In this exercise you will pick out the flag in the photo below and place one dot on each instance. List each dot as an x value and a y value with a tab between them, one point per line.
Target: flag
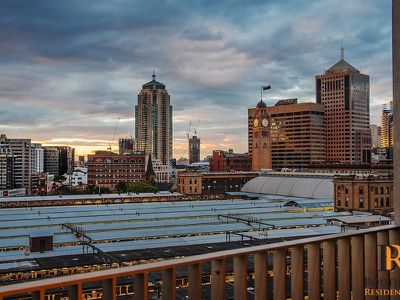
267	87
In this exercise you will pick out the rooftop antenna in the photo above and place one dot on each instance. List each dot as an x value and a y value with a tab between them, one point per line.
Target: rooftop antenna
342	52
154	75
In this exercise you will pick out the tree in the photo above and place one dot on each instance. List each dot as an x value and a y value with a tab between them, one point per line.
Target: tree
141	187
92	189
59	178
121	187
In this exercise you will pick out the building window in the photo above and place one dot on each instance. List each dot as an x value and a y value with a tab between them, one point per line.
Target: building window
361	191
346	201
361	203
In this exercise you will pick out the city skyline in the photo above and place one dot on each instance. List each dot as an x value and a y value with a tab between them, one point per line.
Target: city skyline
67	79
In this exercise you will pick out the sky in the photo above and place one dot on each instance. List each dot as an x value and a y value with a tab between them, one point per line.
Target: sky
70	69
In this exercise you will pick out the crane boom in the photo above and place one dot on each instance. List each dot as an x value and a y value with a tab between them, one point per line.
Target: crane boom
113	138
197	126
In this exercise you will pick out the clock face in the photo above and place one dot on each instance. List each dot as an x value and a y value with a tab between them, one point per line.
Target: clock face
255	123
265	122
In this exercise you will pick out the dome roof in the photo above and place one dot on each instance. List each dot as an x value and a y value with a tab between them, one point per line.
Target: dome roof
318	187
261	104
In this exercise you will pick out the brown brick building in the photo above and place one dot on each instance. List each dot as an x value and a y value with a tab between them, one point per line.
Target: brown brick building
344	92
297	133
371	193
212	184
228	161
106	168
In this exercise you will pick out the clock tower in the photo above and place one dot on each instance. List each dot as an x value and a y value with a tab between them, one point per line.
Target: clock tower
261	155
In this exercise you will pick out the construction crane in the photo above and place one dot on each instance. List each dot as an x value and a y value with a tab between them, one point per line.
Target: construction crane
188	132
197	126
113	138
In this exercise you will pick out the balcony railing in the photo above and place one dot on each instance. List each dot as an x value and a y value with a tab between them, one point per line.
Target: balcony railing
338	266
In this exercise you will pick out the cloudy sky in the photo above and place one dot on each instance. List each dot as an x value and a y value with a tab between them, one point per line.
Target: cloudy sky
70	69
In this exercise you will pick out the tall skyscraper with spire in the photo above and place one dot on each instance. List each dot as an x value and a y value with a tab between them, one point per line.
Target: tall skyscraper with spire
344	92
153	121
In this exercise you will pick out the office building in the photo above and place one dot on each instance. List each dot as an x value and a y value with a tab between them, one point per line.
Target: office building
228	161
194	149
81	161
66	159
126	145
106	169
20	149
371	193
162	173
59	160
40	184
344	92
387	132
153	121
37	161
7	176
78	177
213	184
297	133
51	160
375	136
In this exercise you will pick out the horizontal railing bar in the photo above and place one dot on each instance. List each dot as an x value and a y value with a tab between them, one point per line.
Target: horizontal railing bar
26	287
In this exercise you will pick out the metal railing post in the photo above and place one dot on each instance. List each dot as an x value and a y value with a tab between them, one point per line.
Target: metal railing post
329	269
279	269
140	288
297	272
314	271
168	284
260	275
218	286
240	274
195	281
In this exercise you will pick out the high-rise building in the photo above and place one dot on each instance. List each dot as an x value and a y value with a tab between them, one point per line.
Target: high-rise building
194	149
66	159
375	136
59	160
126	145
51	160
297	133
260	126
387	126
37	161
7	178
344	92
153	121
21	150
80	162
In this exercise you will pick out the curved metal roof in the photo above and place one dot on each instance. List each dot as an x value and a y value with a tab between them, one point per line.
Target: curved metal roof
296	186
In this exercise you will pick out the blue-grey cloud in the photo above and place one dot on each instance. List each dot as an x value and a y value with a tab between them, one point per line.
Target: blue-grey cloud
69	69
